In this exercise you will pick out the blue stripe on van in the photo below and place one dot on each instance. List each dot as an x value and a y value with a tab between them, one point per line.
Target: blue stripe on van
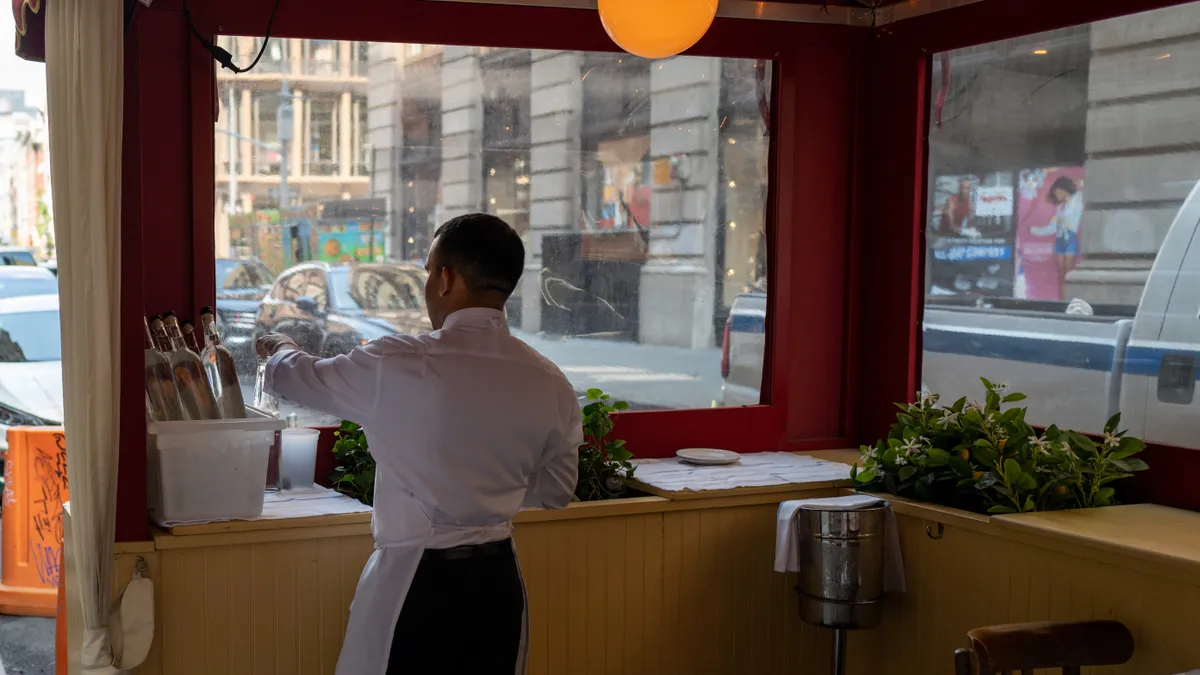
746	323
1042	351
1143	360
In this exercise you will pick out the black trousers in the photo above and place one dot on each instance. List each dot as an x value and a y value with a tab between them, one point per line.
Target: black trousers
463	614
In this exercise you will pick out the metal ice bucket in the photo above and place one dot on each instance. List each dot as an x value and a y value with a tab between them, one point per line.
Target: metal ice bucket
841	566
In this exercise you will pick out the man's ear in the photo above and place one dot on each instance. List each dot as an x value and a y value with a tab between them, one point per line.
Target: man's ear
447	281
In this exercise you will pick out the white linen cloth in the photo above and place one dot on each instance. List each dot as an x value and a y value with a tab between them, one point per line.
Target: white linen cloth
787	540
85	47
467	425
760	469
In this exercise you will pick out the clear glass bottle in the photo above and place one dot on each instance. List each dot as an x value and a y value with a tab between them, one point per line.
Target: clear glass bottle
220	369
189	336
162	396
198	400
263	399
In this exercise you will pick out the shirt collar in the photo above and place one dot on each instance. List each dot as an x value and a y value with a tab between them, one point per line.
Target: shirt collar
476	317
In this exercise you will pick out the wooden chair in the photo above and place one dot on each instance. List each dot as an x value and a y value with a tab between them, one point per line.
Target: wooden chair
997	650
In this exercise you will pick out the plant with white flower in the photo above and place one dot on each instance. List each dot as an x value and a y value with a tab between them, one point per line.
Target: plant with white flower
985	457
949	419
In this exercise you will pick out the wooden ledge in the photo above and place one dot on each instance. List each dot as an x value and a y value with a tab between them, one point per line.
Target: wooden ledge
1147	537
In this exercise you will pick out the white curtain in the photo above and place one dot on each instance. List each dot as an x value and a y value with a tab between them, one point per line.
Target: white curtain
84	93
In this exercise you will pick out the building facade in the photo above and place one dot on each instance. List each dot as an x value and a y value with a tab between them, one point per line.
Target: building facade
26	208
317	143
638	186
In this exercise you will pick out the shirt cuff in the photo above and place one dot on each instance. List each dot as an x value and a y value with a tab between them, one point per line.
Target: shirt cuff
269	374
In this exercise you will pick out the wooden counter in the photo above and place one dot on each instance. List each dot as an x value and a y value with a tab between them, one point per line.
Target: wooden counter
654	585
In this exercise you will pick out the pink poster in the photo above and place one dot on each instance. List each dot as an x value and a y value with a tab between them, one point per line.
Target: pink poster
1048	233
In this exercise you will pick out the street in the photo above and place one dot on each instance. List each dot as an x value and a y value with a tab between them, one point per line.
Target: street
648	377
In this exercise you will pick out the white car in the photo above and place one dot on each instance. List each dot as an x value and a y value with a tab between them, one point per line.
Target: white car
31	391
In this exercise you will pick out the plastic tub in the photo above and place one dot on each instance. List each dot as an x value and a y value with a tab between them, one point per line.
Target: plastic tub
209	470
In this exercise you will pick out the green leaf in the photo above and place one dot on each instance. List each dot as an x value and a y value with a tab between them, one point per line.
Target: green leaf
937	457
620	405
1012	471
1129	446
986	454
1131	464
1112	423
853	471
620	454
1029	505
960	467
1027	482
865	476
965	483
987	383
1104	495
907	472
1001	509
1014	397
594	394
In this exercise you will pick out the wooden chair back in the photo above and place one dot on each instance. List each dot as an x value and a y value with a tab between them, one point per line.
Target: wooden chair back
1024	647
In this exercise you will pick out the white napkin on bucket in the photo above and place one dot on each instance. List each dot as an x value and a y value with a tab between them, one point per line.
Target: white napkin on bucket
787	540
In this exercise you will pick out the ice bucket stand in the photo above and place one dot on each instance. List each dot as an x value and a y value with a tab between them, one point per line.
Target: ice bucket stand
841	571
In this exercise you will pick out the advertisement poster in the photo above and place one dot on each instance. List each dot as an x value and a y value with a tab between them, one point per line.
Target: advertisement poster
350	242
624	182
1048	232
970	235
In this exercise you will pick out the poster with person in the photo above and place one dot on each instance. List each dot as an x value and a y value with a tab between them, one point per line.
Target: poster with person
970	235
1049	215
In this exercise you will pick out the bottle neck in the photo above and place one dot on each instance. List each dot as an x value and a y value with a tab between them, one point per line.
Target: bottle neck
150	339
175	338
211	336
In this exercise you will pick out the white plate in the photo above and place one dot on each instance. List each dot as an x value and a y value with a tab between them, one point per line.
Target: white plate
708	456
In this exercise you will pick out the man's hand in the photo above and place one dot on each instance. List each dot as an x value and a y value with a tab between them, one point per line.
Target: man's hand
272	343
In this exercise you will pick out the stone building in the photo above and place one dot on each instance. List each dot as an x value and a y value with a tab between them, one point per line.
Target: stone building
639	186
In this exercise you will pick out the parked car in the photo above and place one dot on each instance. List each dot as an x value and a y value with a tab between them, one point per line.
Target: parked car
16	255
241	286
16	281
30	363
330	310
1078	368
51	265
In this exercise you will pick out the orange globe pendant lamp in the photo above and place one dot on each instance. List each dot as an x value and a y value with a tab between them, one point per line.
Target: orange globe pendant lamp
656	29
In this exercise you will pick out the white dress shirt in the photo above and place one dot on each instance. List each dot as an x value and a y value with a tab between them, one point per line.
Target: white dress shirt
467	425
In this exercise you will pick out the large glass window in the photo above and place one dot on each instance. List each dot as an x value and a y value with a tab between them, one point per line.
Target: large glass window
639	188
1061	221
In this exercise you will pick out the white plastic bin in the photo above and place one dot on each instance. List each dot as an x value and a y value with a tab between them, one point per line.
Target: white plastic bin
209	470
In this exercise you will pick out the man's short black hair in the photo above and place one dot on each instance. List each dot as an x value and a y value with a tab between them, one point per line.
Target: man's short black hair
484	250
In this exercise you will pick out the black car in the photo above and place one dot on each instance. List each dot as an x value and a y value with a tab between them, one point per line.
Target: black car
330	310
241	286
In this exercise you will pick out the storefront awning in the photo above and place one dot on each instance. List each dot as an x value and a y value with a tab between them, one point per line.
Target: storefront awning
30	18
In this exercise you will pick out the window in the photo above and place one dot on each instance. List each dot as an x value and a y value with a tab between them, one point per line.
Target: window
639	188
321	152
1060	223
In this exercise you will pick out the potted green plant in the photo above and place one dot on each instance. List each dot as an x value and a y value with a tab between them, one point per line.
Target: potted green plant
604	465
984	458
354	475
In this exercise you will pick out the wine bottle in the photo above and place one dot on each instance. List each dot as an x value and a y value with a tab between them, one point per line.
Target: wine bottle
189	336
198	400
220	369
162	396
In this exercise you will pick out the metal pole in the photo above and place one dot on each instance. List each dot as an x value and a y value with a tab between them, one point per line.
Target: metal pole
839	651
231	207
284	119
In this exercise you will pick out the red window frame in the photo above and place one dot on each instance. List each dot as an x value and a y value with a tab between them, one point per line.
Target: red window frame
814	88
893	164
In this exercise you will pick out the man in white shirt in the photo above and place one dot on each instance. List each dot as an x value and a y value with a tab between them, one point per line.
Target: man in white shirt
467	425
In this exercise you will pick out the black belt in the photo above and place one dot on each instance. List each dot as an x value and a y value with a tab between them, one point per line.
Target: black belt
464	552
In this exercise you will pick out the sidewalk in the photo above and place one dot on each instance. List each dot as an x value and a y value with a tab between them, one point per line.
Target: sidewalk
647	376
